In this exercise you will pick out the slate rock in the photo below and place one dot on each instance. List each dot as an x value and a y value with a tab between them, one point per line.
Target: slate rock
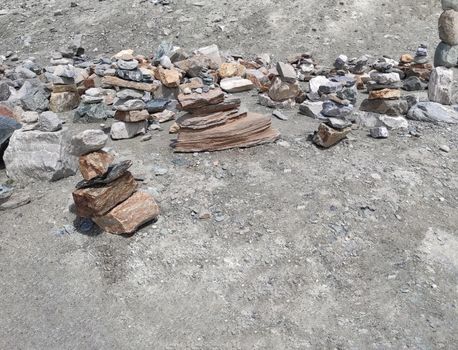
37	155
114	172
132	75
433	112
157	105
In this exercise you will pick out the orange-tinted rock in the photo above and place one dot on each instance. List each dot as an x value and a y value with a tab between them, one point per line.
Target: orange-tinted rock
132	116
196	101
232	69
163	116
385	94
63	101
115	81
96	201
407	58
95	164
169	77
128	216
194	83
259	79
6	111
327	136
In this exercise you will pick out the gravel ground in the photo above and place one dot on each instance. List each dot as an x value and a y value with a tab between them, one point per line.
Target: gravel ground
354	247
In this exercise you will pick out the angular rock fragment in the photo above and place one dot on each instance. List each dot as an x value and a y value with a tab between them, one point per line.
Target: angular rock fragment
327	136
196	101
163	116
63	101
128	216
114	81
169	77
236	84
132	116
440	88
230	70
122	130
281	91
94	164
433	112
287	72
97	201
379	133
49	122
386	94
389	107
88	141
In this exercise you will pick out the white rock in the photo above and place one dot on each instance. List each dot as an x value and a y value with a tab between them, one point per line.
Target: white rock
88	141
440	88
236	84
121	130
316	82
37	155
212	52
385	78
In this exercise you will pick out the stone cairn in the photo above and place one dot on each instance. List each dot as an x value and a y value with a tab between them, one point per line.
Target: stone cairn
447	51
441	89
108	194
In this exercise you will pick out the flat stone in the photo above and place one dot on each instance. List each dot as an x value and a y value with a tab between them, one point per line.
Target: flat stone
115	81
195	65
448	27
132	116
389	107
278	114
327	136
446	55
338	124
212	52
414	84
440	88
129	105
169	77
130	215
387	94
63	101
265	100
129	94
281	91
372	85
49	121
94	164
127	65
91	99
97	201
164	116
114	172
332	109
433	112
315	83
135	75
122	130
385	78
91	113
287	72
37	155
88	141
236	84
157	105
379	133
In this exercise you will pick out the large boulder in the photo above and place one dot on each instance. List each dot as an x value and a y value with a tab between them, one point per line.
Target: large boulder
448	27
37	155
446	55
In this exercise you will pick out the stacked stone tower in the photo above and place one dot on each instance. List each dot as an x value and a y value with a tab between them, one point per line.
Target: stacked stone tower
447	51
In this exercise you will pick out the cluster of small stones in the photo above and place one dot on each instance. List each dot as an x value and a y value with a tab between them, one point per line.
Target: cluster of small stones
447	51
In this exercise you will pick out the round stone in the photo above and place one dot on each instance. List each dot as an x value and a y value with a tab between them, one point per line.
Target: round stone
446	55
448	27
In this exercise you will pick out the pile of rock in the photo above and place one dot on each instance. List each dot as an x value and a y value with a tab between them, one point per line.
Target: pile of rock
284	88
384	92
214	123
108	194
447	51
416	70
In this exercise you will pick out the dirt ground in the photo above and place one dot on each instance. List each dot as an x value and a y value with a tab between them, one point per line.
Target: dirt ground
355	247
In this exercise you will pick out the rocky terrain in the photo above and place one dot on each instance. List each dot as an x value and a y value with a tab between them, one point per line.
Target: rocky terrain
340	239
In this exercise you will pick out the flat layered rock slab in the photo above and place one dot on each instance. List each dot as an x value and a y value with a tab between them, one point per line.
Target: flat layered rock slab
115	81
191	121
196	101
128	216
97	201
252	130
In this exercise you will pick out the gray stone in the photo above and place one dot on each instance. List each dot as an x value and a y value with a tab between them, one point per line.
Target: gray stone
287	72
440	88
166	62
5	192
91	113
372	85
315	83
37	155
157	105
341	62
86	99
29	117
373	120
127	65
64	71
49	122
450	5
332	109
444	148
265	100
385	78
281	90
414	84
5	91
312	109
278	114
433	112
129	105
33	96
129	94
88	141
379	132
122	130
338	124
56	80
7	127
446	55
24	73
133	75
448	27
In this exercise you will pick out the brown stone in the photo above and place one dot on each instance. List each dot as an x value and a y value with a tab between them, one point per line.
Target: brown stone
95	164
128	216
194	83
327	136
196	101
7	111
406	58
281	90
169	77
132	116
163	116
232	69
115	81
63	101
448	27
385	94
96	201
259	79
193	66
174	128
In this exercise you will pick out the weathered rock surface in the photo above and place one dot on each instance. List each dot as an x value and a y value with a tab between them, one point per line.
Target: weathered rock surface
132	116
49	121
122	130
36	155
387	94
195	101
281	90
389	107
448	27
446	55
88	141
327	136
97	201
128	216
433	112
115	81
236	84
230	70
94	164
440	88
